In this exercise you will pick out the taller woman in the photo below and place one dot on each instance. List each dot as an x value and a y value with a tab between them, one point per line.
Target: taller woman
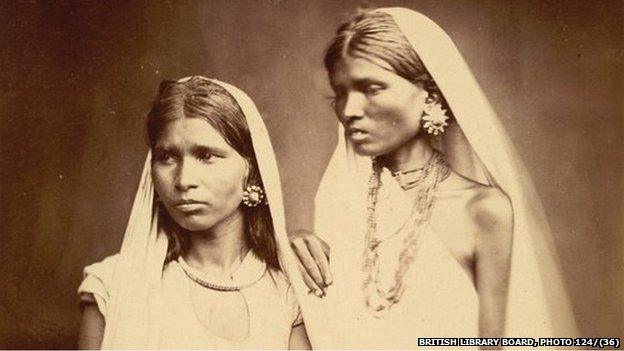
434	227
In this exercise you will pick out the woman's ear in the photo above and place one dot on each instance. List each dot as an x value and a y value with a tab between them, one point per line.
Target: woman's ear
434	97
425	93
433	92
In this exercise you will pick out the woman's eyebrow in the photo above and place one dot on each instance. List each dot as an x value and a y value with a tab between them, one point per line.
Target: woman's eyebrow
203	149
357	82
159	148
366	81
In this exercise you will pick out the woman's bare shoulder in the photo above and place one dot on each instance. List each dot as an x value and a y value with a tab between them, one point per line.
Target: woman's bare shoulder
491	212
488	207
490	203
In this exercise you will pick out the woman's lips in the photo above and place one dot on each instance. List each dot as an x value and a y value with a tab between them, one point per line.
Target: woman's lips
355	134
189	205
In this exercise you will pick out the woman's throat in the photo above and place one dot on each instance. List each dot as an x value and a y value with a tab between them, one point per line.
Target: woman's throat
414	154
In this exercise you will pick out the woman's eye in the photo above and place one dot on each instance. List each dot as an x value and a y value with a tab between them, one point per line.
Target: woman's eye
165	157
205	157
373	89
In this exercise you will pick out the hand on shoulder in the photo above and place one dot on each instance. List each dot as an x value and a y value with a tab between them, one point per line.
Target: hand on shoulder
313	255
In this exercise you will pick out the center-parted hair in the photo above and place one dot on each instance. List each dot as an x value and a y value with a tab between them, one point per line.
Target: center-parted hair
200	98
374	34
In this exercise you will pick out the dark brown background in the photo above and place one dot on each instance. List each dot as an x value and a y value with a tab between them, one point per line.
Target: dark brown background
77	79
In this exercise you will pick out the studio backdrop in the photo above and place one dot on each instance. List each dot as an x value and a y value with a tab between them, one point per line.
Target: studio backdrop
77	79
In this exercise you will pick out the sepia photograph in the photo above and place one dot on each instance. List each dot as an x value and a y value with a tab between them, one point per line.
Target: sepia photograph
288	174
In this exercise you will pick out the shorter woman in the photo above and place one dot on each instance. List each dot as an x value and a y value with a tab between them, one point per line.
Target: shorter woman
198	267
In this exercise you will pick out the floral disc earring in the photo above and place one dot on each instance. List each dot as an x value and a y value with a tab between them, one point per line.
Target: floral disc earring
253	196
434	117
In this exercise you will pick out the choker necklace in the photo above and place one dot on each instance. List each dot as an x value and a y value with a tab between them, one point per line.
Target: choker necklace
192	274
411	178
378	298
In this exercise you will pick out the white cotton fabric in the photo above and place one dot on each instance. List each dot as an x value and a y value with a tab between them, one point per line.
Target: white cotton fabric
133	301
439	300
269	299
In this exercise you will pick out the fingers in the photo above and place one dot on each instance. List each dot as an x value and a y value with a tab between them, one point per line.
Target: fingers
320	256
325	247
303	252
309	282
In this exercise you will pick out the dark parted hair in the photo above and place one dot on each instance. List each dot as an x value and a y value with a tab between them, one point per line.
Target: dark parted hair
375	34
201	98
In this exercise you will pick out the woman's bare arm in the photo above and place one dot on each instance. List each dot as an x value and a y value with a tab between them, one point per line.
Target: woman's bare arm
91	328
493	217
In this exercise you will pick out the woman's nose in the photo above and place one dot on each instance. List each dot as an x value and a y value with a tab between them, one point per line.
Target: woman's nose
186	177
353	107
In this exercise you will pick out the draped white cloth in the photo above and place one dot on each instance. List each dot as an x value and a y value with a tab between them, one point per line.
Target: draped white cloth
134	310
476	147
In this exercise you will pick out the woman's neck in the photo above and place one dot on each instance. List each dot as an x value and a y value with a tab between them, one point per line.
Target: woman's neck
220	249
411	155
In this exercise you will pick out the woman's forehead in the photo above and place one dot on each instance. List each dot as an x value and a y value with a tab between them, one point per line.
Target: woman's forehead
190	131
356	68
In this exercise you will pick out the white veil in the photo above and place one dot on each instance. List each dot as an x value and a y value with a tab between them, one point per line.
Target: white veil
132	320
478	148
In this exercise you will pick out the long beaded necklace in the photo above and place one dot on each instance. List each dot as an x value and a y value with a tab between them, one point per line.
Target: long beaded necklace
379	300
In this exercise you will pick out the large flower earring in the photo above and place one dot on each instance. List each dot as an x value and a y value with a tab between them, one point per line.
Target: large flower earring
434	117
253	196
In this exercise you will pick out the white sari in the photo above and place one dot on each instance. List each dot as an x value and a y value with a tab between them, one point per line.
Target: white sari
439	299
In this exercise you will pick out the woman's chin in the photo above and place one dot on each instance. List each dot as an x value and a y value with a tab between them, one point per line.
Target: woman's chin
195	224
367	150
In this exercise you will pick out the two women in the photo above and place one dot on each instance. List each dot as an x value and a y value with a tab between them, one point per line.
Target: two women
432	224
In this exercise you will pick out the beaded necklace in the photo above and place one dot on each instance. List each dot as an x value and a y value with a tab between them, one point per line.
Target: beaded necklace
379	300
194	275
